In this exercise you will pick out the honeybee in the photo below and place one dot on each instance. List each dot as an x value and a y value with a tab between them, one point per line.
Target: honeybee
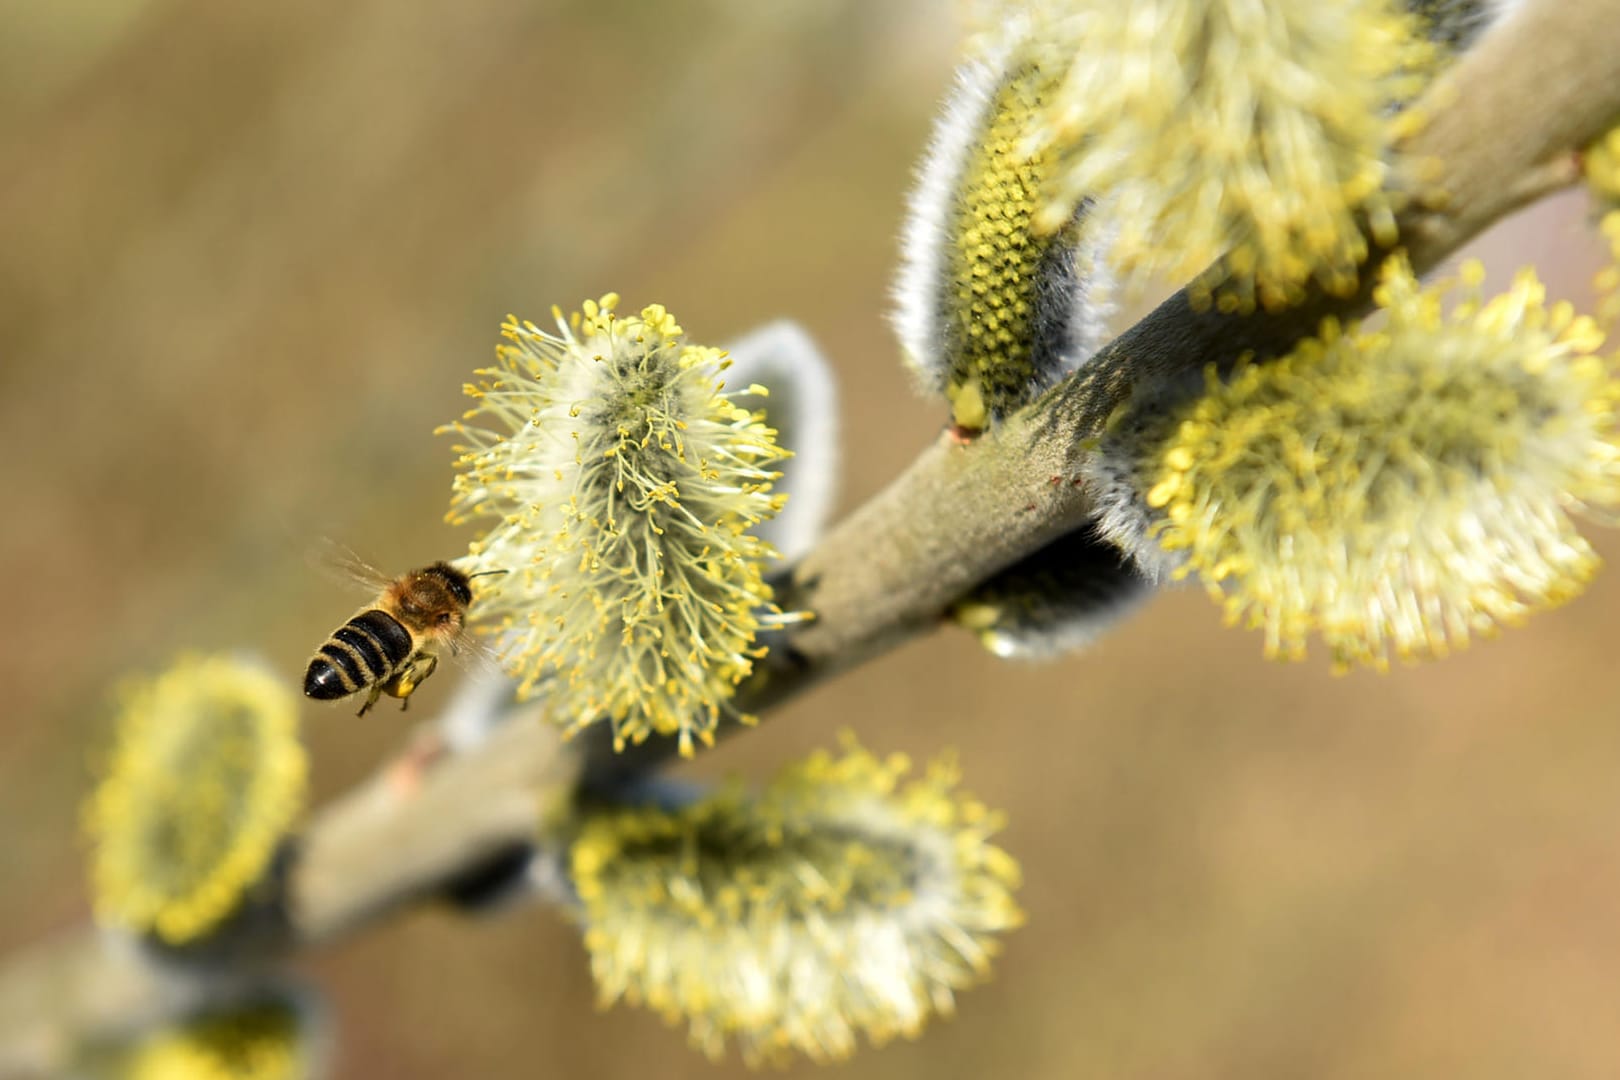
392	645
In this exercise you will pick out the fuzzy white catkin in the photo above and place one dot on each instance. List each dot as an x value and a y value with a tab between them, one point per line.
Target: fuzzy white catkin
802	406
1059	600
988	312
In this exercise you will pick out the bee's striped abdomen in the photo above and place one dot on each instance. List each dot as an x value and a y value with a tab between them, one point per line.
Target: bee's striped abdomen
368	649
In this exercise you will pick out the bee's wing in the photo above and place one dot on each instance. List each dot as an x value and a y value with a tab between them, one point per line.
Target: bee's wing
474	652
340	563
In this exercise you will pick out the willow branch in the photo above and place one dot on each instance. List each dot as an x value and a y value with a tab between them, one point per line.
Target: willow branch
1504	127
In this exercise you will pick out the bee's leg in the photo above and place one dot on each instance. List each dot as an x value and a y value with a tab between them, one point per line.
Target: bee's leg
371	698
415	673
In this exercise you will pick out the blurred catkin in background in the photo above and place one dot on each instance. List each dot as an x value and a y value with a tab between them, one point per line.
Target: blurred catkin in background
247	256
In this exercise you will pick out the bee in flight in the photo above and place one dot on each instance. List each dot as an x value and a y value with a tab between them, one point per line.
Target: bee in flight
392	645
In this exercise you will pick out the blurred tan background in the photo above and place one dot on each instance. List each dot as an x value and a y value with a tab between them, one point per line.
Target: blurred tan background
248	255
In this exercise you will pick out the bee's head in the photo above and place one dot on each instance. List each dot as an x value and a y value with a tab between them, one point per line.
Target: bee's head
458	584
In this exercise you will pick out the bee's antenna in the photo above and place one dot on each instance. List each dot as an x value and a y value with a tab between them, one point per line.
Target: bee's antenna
487	573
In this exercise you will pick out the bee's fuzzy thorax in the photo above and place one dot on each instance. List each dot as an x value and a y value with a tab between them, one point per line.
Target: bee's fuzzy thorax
430	601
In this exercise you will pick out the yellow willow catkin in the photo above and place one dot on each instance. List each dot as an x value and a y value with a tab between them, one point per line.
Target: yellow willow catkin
991	311
1601	164
840	901
1395	490
620	483
1210	127
203	782
261	1041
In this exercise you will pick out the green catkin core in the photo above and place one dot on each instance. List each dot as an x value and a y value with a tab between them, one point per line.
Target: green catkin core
996	260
